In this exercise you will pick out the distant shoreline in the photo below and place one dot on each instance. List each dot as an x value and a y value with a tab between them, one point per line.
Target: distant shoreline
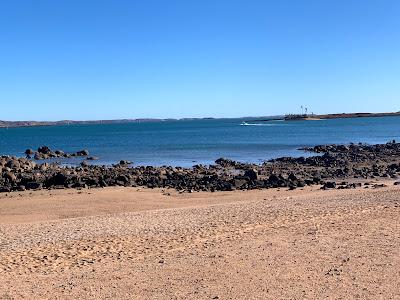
357	115
331	116
12	124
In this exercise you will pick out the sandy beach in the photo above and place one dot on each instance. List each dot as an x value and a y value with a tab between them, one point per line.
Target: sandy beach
179	150
137	243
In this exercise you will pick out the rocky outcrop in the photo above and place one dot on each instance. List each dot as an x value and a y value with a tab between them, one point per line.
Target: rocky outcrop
44	152
82	153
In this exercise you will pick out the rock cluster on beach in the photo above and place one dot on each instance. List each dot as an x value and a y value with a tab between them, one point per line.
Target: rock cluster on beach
335	168
44	152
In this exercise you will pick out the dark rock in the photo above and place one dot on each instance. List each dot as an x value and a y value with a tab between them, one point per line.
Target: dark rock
239	183
252	174
301	183
228	163
10	177
59	153
13	164
29	152
292	177
57	179
40	156
33	185
44	150
379	185
329	185
21	188
122	178
225	162
82	153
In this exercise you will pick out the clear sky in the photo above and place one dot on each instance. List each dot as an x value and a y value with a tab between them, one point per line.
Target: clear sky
94	59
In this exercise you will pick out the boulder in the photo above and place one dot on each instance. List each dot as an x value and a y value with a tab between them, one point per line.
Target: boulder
239	183
40	156
33	185
82	153
10	177
13	164
329	185
252	174
44	150
57	179
292	177
29	152
59	153
122	178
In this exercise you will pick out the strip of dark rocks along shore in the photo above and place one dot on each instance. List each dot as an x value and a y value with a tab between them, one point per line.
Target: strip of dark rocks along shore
338	167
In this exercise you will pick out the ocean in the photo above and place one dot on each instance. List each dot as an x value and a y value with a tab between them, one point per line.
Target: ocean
190	142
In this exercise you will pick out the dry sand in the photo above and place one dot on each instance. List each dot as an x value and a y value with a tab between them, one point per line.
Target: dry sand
126	243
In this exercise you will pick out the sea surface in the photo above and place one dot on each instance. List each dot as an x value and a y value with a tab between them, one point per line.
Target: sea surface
186	143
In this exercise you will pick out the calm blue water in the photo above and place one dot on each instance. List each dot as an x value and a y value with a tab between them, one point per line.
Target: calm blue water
185	143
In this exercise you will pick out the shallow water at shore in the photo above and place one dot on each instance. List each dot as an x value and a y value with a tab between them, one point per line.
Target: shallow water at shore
185	143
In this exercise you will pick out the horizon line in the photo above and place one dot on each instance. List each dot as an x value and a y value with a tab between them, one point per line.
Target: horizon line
187	118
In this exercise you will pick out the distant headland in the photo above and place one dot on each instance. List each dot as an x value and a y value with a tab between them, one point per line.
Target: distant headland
305	117
289	117
339	116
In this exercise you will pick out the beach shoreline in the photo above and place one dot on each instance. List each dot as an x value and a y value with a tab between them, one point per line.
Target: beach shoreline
333	166
306	227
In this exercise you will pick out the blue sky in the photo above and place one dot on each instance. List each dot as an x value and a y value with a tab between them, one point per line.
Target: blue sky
130	59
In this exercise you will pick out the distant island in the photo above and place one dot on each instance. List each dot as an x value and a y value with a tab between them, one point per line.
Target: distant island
305	117
289	117
339	116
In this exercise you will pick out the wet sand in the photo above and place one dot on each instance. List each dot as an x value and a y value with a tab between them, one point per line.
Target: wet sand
131	243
